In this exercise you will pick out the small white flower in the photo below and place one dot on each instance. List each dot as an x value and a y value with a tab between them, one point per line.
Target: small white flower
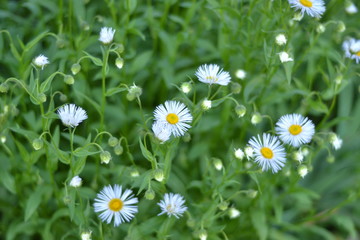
76	182
234	213
351	48
212	74
268	151
175	116
284	57
161	131
86	235
106	35
298	156
71	115
303	171
320	28
239	154
218	164
41	61
314	8
241	74
249	152
294	129
115	204
186	87
304	151
206	104
335	141
350	8
298	16
173	204
280	39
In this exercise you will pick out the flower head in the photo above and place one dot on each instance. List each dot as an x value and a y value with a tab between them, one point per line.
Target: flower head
241	74
294	129
112	202
71	115
86	235
41	61
175	116
76	182
350	8
106	35
173	204
280	39
351	48
206	104
314	8
335	141
239	154
161	131
268	151
212	74
284	57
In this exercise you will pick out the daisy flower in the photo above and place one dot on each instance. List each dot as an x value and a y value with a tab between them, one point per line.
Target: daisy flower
314	8
175	116
106	35
173	204
268	152
212	74
161	131
71	115
113	203
41	61
352	49
294	129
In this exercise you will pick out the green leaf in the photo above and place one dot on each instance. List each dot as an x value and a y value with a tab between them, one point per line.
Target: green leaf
85	151
140	62
95	60
146	153
130	5
288	66
115	90
258	219
136	32
34	200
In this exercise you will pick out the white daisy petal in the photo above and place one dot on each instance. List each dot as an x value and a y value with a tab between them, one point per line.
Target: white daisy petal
295	130
114	205
314	8
71	115
268	152
351	48
174	116
172	205
212	74
41	61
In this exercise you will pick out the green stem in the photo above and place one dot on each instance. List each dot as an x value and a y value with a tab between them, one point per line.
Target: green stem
103	84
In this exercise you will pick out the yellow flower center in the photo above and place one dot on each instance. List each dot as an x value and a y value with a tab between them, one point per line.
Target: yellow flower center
212	78
306	3
357	53
172	118
295	129
169	208
116	204
267	152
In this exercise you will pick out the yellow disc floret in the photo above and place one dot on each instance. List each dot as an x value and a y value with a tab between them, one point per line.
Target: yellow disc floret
306	3
295	129
116	204
267	152
172	118
357	53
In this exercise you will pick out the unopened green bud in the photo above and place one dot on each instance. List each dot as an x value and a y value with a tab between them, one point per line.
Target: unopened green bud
120	48
3	139
130	97
134	173
320	28
158	175
234	213
252	193
105	157
63	97
67	200
4	88
235	87
341	27
38	143
135	91
202	234
298	16
149	194
42	97
118	149
303	170
186	137
206	104
256	118
223	206
217	164
186	87
113	141
68	79
191	223
240	110
119	62
330	159
75	68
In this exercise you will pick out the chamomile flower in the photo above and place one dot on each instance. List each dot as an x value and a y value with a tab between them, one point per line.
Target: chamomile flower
175	116
314	8
172	205
294	129
41	61
351	48
71	115
212	74
106	35
268	152
161	131
115	204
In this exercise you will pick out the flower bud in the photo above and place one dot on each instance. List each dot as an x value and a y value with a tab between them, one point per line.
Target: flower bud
4	88
191	223
76	182
298	156
202	234
134	173
234	213
303	170
256	118
252	193
186	137
119	62
41	97
63	97
280	39
239	154
241	74
3	139
68	79
298	16
341	27
240	110
330	159
158	175
67	200
38	144
249	152
223	205
320	28
217	164
235	88
186	87
113	141
118	149
206	104
105	157
305	151
75	68
86	235
149	194
335	141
